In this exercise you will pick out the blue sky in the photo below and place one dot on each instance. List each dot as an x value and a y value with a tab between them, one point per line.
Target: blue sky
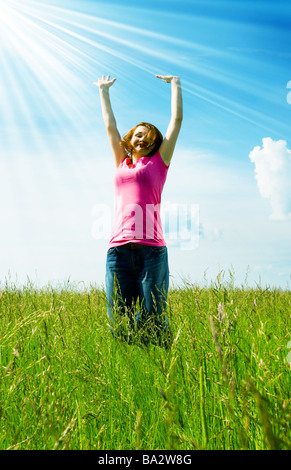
232	164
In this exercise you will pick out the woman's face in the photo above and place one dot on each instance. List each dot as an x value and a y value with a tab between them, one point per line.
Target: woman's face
139	141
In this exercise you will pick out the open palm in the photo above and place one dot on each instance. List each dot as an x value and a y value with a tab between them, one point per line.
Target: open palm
104	82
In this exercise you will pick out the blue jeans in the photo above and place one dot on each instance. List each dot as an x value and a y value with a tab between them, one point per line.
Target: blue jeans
137	272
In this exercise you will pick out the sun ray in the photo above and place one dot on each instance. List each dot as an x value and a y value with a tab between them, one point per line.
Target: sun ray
58	50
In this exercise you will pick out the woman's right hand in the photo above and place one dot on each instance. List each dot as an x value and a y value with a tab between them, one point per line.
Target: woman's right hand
104	82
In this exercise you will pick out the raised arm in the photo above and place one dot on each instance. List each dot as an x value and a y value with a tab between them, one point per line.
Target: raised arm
109	119
169	142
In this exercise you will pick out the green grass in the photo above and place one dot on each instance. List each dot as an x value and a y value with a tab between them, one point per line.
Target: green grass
65	383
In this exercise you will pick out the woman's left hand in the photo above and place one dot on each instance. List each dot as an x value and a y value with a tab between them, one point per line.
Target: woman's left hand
168	78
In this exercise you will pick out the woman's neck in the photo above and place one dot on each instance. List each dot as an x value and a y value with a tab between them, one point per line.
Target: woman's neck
135	158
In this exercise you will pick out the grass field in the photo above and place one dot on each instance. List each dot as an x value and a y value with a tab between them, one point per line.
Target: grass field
224	383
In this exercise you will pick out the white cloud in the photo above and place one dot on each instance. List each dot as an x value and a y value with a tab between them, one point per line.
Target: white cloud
273	175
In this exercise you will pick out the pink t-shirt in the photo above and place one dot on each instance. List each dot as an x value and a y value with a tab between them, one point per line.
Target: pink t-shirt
138	191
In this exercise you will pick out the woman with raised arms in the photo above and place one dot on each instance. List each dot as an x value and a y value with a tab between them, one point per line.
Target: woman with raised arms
137	257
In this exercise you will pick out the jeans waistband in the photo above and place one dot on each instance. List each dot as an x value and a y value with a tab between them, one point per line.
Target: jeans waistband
133	246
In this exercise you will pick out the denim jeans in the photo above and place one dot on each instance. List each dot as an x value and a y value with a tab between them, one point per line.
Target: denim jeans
137	272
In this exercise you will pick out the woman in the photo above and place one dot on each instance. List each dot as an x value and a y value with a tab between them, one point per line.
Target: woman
137	259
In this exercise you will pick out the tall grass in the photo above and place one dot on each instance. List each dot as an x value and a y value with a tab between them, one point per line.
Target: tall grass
66	383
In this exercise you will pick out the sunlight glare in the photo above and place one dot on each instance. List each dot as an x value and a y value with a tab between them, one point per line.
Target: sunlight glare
4	11
2	8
